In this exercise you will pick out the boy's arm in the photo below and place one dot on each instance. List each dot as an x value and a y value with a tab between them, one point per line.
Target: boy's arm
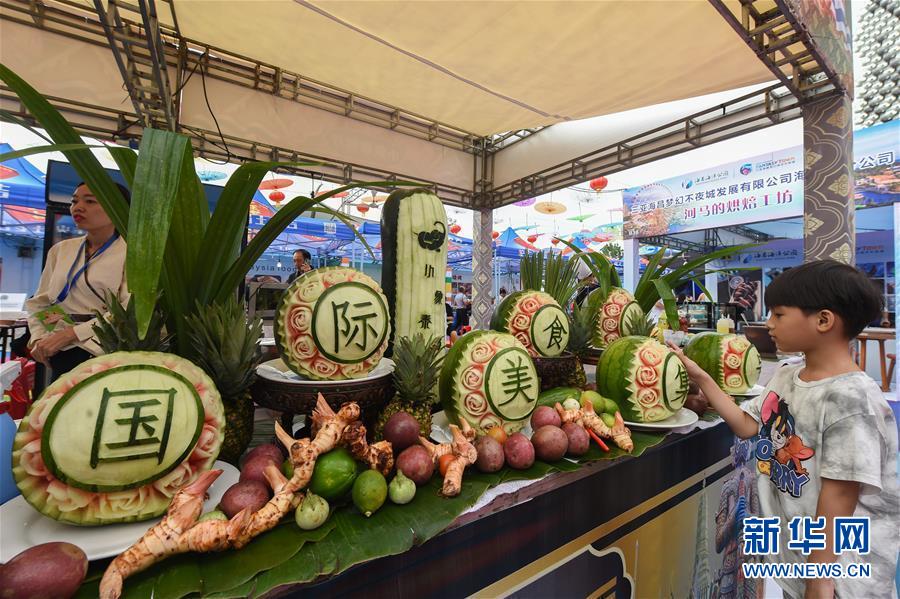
742	424
837	498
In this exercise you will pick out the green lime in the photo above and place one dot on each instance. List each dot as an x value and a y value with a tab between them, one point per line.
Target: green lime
369	492
333	474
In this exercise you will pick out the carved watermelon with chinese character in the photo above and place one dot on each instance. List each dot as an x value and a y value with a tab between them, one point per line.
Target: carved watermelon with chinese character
536	320
115	438
489	379
332	324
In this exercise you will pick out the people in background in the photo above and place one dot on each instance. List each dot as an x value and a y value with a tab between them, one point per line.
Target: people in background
460	310
76	279
501	295
302	264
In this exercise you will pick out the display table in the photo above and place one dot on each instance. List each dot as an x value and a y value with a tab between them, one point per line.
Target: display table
524	541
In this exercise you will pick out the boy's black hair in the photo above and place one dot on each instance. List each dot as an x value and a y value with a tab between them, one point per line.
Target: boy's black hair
828	285
124	190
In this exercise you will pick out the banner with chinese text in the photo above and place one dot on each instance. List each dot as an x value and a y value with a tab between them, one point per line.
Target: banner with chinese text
766	187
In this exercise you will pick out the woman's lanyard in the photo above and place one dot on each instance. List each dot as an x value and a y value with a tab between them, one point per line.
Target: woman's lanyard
70	279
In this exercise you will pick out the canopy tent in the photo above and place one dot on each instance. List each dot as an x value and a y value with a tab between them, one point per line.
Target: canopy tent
21	184
442	72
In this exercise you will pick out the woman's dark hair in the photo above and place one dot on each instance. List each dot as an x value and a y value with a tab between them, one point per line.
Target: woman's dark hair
124	190
306	255
828	285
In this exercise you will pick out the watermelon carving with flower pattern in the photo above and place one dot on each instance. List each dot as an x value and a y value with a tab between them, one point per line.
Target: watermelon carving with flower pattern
731	360
645	378
114	439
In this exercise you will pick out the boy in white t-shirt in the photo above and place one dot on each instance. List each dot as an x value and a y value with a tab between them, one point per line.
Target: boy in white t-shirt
827	444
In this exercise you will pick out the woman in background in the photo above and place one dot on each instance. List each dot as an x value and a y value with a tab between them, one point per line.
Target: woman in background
74	284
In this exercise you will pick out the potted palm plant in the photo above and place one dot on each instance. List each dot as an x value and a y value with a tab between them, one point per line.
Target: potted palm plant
183	261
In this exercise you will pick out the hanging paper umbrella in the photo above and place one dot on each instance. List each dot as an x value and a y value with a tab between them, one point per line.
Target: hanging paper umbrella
582	217
275	184
550	207
211	175
525	203
599	184
8	173
276	196
379	198
455	229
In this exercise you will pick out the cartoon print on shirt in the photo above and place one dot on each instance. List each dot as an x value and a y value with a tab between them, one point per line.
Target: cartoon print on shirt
780	451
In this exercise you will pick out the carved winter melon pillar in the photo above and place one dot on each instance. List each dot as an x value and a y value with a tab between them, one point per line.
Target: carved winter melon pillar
828	214
482	267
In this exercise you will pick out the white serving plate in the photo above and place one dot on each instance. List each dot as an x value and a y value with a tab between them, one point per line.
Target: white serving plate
24	527
277	370
440	428
682	417
753	391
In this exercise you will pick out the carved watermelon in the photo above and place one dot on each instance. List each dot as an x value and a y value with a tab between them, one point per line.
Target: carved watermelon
332	324
731	360
115	438
644	377
489	379
615	316
536	320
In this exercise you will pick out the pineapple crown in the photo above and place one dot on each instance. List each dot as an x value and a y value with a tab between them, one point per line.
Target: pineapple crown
117	329
417	366
223	343
584	321
638	324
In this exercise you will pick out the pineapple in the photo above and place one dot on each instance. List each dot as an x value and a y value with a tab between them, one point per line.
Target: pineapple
641	326
584	320
117	330
417	366
223	344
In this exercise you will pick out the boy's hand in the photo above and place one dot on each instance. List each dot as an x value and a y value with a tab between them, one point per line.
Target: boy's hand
694	371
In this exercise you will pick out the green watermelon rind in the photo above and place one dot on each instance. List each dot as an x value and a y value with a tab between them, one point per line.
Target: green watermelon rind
534	334
503	312
597	337
612	384
707	350
452	367
47	454
40	500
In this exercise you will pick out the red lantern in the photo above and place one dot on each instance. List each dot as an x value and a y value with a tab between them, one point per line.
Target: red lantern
599	184
276	196
554	241
362	208
455	229
532	238
495	234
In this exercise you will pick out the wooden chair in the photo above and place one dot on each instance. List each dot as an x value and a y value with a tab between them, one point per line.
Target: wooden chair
892	361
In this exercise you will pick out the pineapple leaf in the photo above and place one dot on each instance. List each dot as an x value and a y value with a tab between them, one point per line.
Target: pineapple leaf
223	343
117	330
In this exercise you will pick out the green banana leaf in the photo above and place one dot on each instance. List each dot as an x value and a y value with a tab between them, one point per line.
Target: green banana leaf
46	149
83	161
668	298
221	242
229	281
287	555
157	183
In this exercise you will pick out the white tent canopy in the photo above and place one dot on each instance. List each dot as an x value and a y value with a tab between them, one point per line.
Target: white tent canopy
476	67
